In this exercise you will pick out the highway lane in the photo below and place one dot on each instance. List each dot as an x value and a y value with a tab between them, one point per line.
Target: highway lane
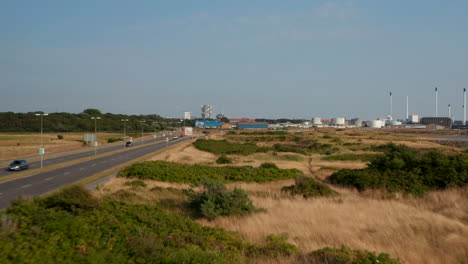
50	180
78	155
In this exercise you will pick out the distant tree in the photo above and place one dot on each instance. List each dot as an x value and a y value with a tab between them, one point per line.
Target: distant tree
92	112
225	119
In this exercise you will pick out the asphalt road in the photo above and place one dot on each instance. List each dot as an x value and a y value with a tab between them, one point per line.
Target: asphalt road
76	155
48	181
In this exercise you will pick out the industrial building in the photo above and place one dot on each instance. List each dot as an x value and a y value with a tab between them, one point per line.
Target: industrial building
439	121
207	124
206	112
252	125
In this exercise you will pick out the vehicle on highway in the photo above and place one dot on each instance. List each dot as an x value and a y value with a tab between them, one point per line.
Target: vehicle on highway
174	137
128	144
17	165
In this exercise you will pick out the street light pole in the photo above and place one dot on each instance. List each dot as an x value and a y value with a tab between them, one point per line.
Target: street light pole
95	134
143	121
154	127
124	143
41	149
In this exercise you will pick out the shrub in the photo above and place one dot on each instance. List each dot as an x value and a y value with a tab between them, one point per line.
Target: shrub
135	183
308	187
346	256
403	169
268	165
186	173
363	157
71	199
223	160
59	136
112	140
276	246
225	147
216	201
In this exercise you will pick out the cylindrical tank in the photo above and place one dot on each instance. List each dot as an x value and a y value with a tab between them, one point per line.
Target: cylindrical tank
340	121
375	124
316	121
358	123
395	123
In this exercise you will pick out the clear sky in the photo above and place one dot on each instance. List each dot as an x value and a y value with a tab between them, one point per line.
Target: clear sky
272	58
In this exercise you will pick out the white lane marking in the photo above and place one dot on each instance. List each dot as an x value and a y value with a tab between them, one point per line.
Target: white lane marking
82	168
49	179
93	165
27	185
66	173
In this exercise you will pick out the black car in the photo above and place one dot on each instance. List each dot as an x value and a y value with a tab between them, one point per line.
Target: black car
128	144
18	165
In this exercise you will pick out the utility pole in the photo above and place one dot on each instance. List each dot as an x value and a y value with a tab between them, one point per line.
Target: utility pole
142	121
41	149
124	141
436	102
95	134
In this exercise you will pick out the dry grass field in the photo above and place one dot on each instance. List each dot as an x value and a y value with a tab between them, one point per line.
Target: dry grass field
23	145
431	229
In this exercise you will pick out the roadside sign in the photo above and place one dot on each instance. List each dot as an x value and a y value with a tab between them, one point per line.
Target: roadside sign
95	143
41	151
89	137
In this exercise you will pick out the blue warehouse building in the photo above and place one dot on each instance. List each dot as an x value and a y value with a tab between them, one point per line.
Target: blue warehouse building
207	124
252	125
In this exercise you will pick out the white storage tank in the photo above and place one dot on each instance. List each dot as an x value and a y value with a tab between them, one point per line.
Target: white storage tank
375	124
339	121
316	121
358	123
395	123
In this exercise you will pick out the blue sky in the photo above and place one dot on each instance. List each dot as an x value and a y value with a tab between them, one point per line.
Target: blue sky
273	59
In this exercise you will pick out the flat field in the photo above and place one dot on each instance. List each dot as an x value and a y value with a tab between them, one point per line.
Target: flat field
14	146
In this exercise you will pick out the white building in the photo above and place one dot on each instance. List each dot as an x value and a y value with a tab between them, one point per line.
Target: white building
206	111
187	115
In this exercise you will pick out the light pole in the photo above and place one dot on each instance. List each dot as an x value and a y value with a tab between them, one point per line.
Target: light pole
124	120
95	133
41	149
142	122
154	127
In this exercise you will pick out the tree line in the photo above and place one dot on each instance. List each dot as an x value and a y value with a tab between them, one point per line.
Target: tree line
82	122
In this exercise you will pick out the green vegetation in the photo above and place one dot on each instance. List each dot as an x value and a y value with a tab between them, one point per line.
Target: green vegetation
67	122
306	147
402	169
224	160
135	183
225	147
216	200
185	173
112	140
73	227
308	188
347	256
352	157
59	137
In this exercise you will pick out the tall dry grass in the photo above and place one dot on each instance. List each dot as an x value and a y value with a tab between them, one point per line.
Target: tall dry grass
414	230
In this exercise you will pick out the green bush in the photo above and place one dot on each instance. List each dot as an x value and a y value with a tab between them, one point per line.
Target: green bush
353	157
112	140
347	256
271	133
135	183
268	165
224	160
225	147
71	199
59	136
276	246
401	169
308	187
186	173
217	201
43	231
